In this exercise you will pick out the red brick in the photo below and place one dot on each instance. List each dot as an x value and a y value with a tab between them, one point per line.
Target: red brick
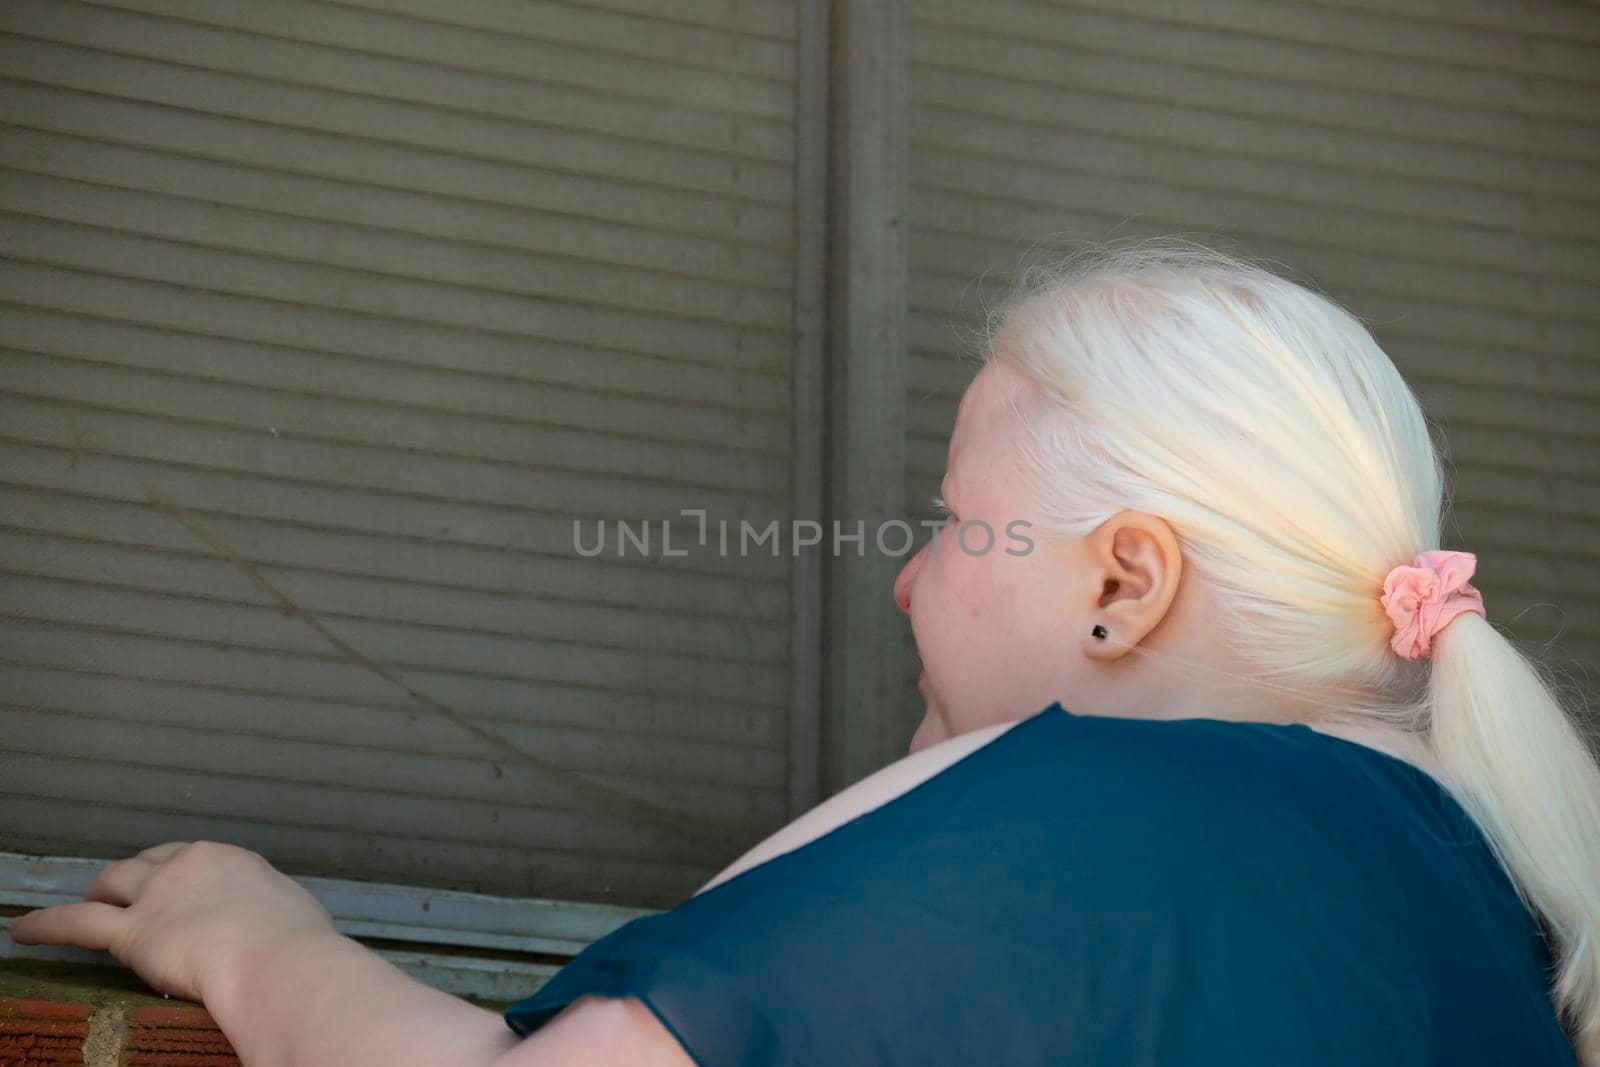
197	1017
39	1026
179	1041
40	1058
42	1033
37	1041
42	1009
176	1037
53	1056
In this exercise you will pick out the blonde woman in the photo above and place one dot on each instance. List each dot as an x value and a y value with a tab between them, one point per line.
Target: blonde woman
1291	799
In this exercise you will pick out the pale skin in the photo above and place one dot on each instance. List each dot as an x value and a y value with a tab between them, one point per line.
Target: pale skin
1000	637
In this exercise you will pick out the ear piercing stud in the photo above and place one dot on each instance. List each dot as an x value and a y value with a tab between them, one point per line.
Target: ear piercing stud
1100	631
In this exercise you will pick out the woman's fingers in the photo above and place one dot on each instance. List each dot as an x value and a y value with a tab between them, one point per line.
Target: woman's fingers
120	882
101	918
162	853
89	925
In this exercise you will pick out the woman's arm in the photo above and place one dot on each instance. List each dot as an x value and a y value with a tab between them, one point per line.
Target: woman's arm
217	924
329	1002
323	999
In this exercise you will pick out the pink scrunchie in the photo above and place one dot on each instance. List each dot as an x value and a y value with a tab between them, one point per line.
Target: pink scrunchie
1422	599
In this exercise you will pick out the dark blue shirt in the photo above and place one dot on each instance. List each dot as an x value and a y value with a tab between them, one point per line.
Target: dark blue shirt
1087	890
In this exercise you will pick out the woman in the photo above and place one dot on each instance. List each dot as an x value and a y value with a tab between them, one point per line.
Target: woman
1308	806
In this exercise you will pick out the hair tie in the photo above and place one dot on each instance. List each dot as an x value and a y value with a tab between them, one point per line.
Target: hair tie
1422	598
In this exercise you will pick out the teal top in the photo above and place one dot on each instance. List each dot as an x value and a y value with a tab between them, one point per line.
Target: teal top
1099	891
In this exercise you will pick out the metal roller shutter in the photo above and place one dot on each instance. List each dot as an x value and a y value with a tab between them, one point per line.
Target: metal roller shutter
322	323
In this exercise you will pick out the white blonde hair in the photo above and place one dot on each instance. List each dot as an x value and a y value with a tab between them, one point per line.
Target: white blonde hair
1263	422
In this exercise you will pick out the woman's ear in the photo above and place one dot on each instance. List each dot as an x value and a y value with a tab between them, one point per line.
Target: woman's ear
1135	559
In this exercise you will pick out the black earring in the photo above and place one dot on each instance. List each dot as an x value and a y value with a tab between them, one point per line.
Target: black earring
1100	632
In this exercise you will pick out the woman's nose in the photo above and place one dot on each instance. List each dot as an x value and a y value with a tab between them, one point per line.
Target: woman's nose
907	578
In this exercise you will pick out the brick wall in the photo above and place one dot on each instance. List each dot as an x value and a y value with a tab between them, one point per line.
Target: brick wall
50	1033
55	1013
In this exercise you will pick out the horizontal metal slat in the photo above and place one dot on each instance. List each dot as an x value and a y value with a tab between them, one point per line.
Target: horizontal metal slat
423	390
1561	423
596	751
1569	581
451	542
365	162
1401	216
335	598
1349	106
1419	320
1561	625
77	826
1197	127
682	80
754	35
1492	529
585	497
394	912
293	243
1483	477
449	219
414	651
1209	42
372	118
440	544
296	806
529	99
308	284
268	681
771	20
338	421
1540	18
1344	32
323	332
488	798
498	980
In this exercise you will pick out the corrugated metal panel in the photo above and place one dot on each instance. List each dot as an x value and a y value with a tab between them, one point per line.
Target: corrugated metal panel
1435	165
322	323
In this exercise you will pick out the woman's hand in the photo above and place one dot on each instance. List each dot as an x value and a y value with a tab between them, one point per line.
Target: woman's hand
182	915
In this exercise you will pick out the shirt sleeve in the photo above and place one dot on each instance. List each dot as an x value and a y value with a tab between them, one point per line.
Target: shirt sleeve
710	1011
828	953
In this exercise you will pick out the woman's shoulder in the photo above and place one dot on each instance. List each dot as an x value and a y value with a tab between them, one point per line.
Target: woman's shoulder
1243	778
869	794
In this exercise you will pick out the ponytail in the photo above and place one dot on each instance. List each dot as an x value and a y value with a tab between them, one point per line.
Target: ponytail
1523	771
